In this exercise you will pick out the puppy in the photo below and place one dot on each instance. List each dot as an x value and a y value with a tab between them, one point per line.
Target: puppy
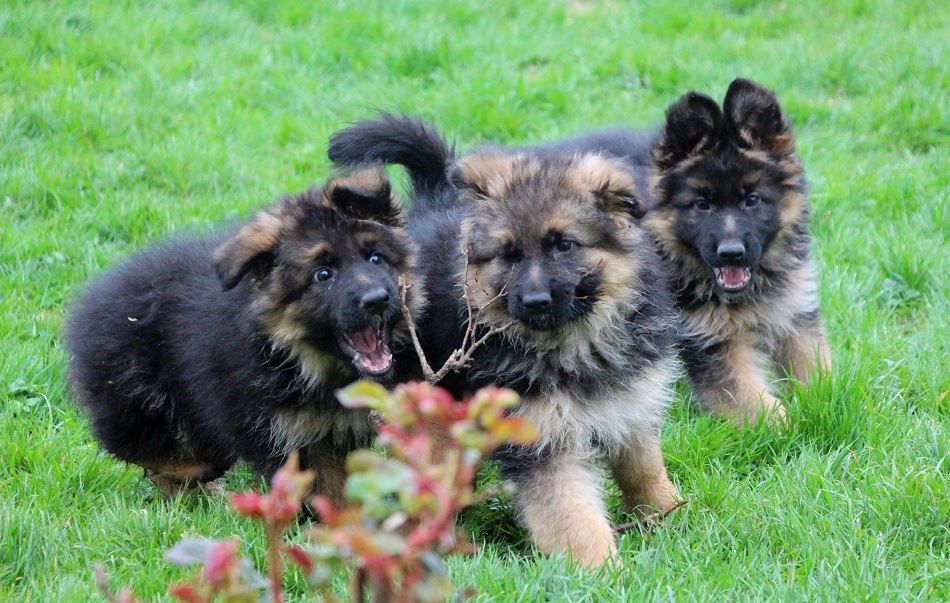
196	353
552	248
731	221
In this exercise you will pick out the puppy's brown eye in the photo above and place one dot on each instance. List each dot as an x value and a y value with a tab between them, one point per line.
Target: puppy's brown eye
323	274
564	245
702	203
376	259
752	200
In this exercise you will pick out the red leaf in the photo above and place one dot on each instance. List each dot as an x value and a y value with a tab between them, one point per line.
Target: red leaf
185	592
326	510
300	557
249	504
221	561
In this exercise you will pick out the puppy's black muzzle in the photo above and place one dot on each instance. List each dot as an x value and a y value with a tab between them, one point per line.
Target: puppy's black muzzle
731	251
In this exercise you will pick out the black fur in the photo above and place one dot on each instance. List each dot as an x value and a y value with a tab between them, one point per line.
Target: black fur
397	139
186	354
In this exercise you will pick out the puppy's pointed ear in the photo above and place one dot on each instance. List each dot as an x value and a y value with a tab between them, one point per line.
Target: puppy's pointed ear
365	194
482	175
251	250
611	183
693	125
755	119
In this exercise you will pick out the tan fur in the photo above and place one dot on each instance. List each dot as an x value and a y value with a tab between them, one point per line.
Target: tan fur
295	429
744	394
367	179
793	205
641	475
256	237
490	172
564	511
619	274
806	352
317	251
174	477
765	321
329	473
580	426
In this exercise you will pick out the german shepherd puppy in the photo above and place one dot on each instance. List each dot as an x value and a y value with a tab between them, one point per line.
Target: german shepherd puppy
731	222
553	247
196	353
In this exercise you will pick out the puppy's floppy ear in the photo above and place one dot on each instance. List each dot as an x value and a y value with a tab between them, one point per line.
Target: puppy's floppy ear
365	194
755	118
250	250
611	183
483	174
693	125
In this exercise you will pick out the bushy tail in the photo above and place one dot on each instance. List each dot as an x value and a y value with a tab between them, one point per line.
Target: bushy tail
397	139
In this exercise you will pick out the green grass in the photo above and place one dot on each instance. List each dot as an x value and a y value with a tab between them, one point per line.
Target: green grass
124	121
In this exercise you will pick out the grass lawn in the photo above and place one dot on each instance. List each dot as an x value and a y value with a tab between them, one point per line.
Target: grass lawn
121	122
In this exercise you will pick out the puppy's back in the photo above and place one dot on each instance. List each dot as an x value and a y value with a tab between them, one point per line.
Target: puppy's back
119	338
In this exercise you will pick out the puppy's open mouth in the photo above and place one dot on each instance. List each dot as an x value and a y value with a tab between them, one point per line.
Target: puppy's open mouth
369	349
733	278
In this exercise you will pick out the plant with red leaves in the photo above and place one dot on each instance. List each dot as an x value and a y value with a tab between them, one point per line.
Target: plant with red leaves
402	522
401	518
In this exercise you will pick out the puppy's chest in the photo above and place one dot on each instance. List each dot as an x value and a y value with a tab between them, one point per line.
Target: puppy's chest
583	371
603	419
766	318
297	427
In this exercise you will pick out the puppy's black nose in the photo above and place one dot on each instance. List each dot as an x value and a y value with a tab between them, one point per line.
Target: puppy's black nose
375	301
537	300
730	250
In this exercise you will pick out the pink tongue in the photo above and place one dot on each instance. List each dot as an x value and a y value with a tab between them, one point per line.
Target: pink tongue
371	353
733	276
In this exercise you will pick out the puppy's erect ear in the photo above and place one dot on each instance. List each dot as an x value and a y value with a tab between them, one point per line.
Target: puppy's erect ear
482	175
365	194
755	118
611	183
250	250
693	125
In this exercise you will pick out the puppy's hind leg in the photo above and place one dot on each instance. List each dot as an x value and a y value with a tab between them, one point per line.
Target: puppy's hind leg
560	502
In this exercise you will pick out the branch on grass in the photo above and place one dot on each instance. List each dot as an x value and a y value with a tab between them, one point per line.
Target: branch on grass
647	521
461	357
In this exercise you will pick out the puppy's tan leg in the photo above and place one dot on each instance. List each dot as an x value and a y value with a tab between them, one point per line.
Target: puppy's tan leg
174	477
329	468
730	381
641	475
807	351
560	501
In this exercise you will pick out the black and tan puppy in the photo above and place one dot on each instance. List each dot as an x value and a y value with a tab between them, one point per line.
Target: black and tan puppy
196	353
731	220
554	247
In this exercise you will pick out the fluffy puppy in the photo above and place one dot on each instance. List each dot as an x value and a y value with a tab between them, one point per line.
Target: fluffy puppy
731	221
196	353
553	247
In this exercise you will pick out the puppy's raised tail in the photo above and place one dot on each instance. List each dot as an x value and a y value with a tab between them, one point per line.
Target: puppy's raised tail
401	140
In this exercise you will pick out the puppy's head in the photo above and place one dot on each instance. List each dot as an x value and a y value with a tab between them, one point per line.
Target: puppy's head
323	269
550	236
728	185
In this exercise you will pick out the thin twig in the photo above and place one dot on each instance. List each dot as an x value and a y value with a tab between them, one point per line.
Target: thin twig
648	520
462	356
